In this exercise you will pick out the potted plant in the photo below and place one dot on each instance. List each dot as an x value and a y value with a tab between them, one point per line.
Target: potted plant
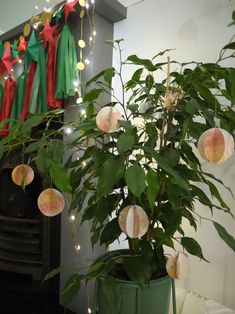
138	171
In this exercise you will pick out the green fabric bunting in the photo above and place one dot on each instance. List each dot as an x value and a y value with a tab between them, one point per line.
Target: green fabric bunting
37	102
17	106
33	47
14	50
66	64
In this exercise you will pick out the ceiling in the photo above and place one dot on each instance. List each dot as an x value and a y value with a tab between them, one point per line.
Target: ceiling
15	12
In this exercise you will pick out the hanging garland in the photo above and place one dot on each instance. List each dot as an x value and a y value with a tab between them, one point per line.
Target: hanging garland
51	71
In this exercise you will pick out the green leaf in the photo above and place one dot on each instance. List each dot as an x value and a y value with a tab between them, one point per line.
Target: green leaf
43	161
149	82
92	95
71	289
135	179
108	75
137	74
172	157
60	176
110	173
163	164
224	235
55	150
32	122
214	191
192	247
230	46
136	271
95	78
125	142
145	62
153	188
111	232
53	273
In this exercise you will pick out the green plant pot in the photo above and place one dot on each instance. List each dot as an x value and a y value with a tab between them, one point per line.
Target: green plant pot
128	298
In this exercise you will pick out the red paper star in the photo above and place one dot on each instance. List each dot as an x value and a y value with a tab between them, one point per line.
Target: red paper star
47	33
22	45
6	60
69	7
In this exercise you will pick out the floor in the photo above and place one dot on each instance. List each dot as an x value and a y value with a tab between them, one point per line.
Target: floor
20	295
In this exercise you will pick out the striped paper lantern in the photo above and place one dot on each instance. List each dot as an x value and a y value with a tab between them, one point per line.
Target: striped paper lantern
51	202
133	221
178	265
22	175
216	145
107	119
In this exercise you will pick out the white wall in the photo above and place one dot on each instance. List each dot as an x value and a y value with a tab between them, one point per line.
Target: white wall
197	30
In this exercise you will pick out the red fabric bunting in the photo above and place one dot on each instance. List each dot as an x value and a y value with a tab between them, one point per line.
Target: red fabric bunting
47	34
8	99
69	7
6	62
51	77
31	75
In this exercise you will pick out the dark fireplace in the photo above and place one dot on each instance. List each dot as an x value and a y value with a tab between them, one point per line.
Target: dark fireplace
29	246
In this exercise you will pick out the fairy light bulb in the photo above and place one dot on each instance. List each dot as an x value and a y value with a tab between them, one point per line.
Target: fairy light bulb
84	164
89	311
45	9
87	6
81	43
47	0
20	61
93	1
82	3
94	33
79	100
36	7
90	39
83	112
68	130
77	247
5	77
75	83
80	66
87	61
72	218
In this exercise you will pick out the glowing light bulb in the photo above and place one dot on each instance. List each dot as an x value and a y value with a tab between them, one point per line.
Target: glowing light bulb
5	77
72	218
81	43
48	0
75	83
20	61
80	66
35	26
12	70
79	100
84	164
36	7
90	39
45	9
94	33
77	247
93	1
87	6
87	61
68	130
89	311
83	112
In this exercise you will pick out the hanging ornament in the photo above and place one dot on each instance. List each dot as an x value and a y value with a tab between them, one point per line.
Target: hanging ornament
22	44
69	7
6	60
81	43
133	221
22	175
51	202
172	99
80	66
82	3
216	145
178	265
46	16
26	29
107	119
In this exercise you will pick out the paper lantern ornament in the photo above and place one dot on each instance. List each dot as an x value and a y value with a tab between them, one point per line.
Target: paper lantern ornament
133	221
22	175
107	119
216	145
178	265
51	202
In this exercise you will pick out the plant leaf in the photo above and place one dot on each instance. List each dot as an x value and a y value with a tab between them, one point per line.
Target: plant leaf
224	235
135	179
125	142
71	289
153	187
60	176
192	247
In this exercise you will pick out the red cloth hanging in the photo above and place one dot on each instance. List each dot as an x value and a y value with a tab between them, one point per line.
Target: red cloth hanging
31	75
51	77
8	99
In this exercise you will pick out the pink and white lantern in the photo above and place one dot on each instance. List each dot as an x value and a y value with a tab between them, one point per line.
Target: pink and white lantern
216	145
107	119
178	265
133	221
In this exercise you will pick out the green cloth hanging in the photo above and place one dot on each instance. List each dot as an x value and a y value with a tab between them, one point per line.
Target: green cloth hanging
14	50
66	64
37	102
1	94
18	99
34	47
